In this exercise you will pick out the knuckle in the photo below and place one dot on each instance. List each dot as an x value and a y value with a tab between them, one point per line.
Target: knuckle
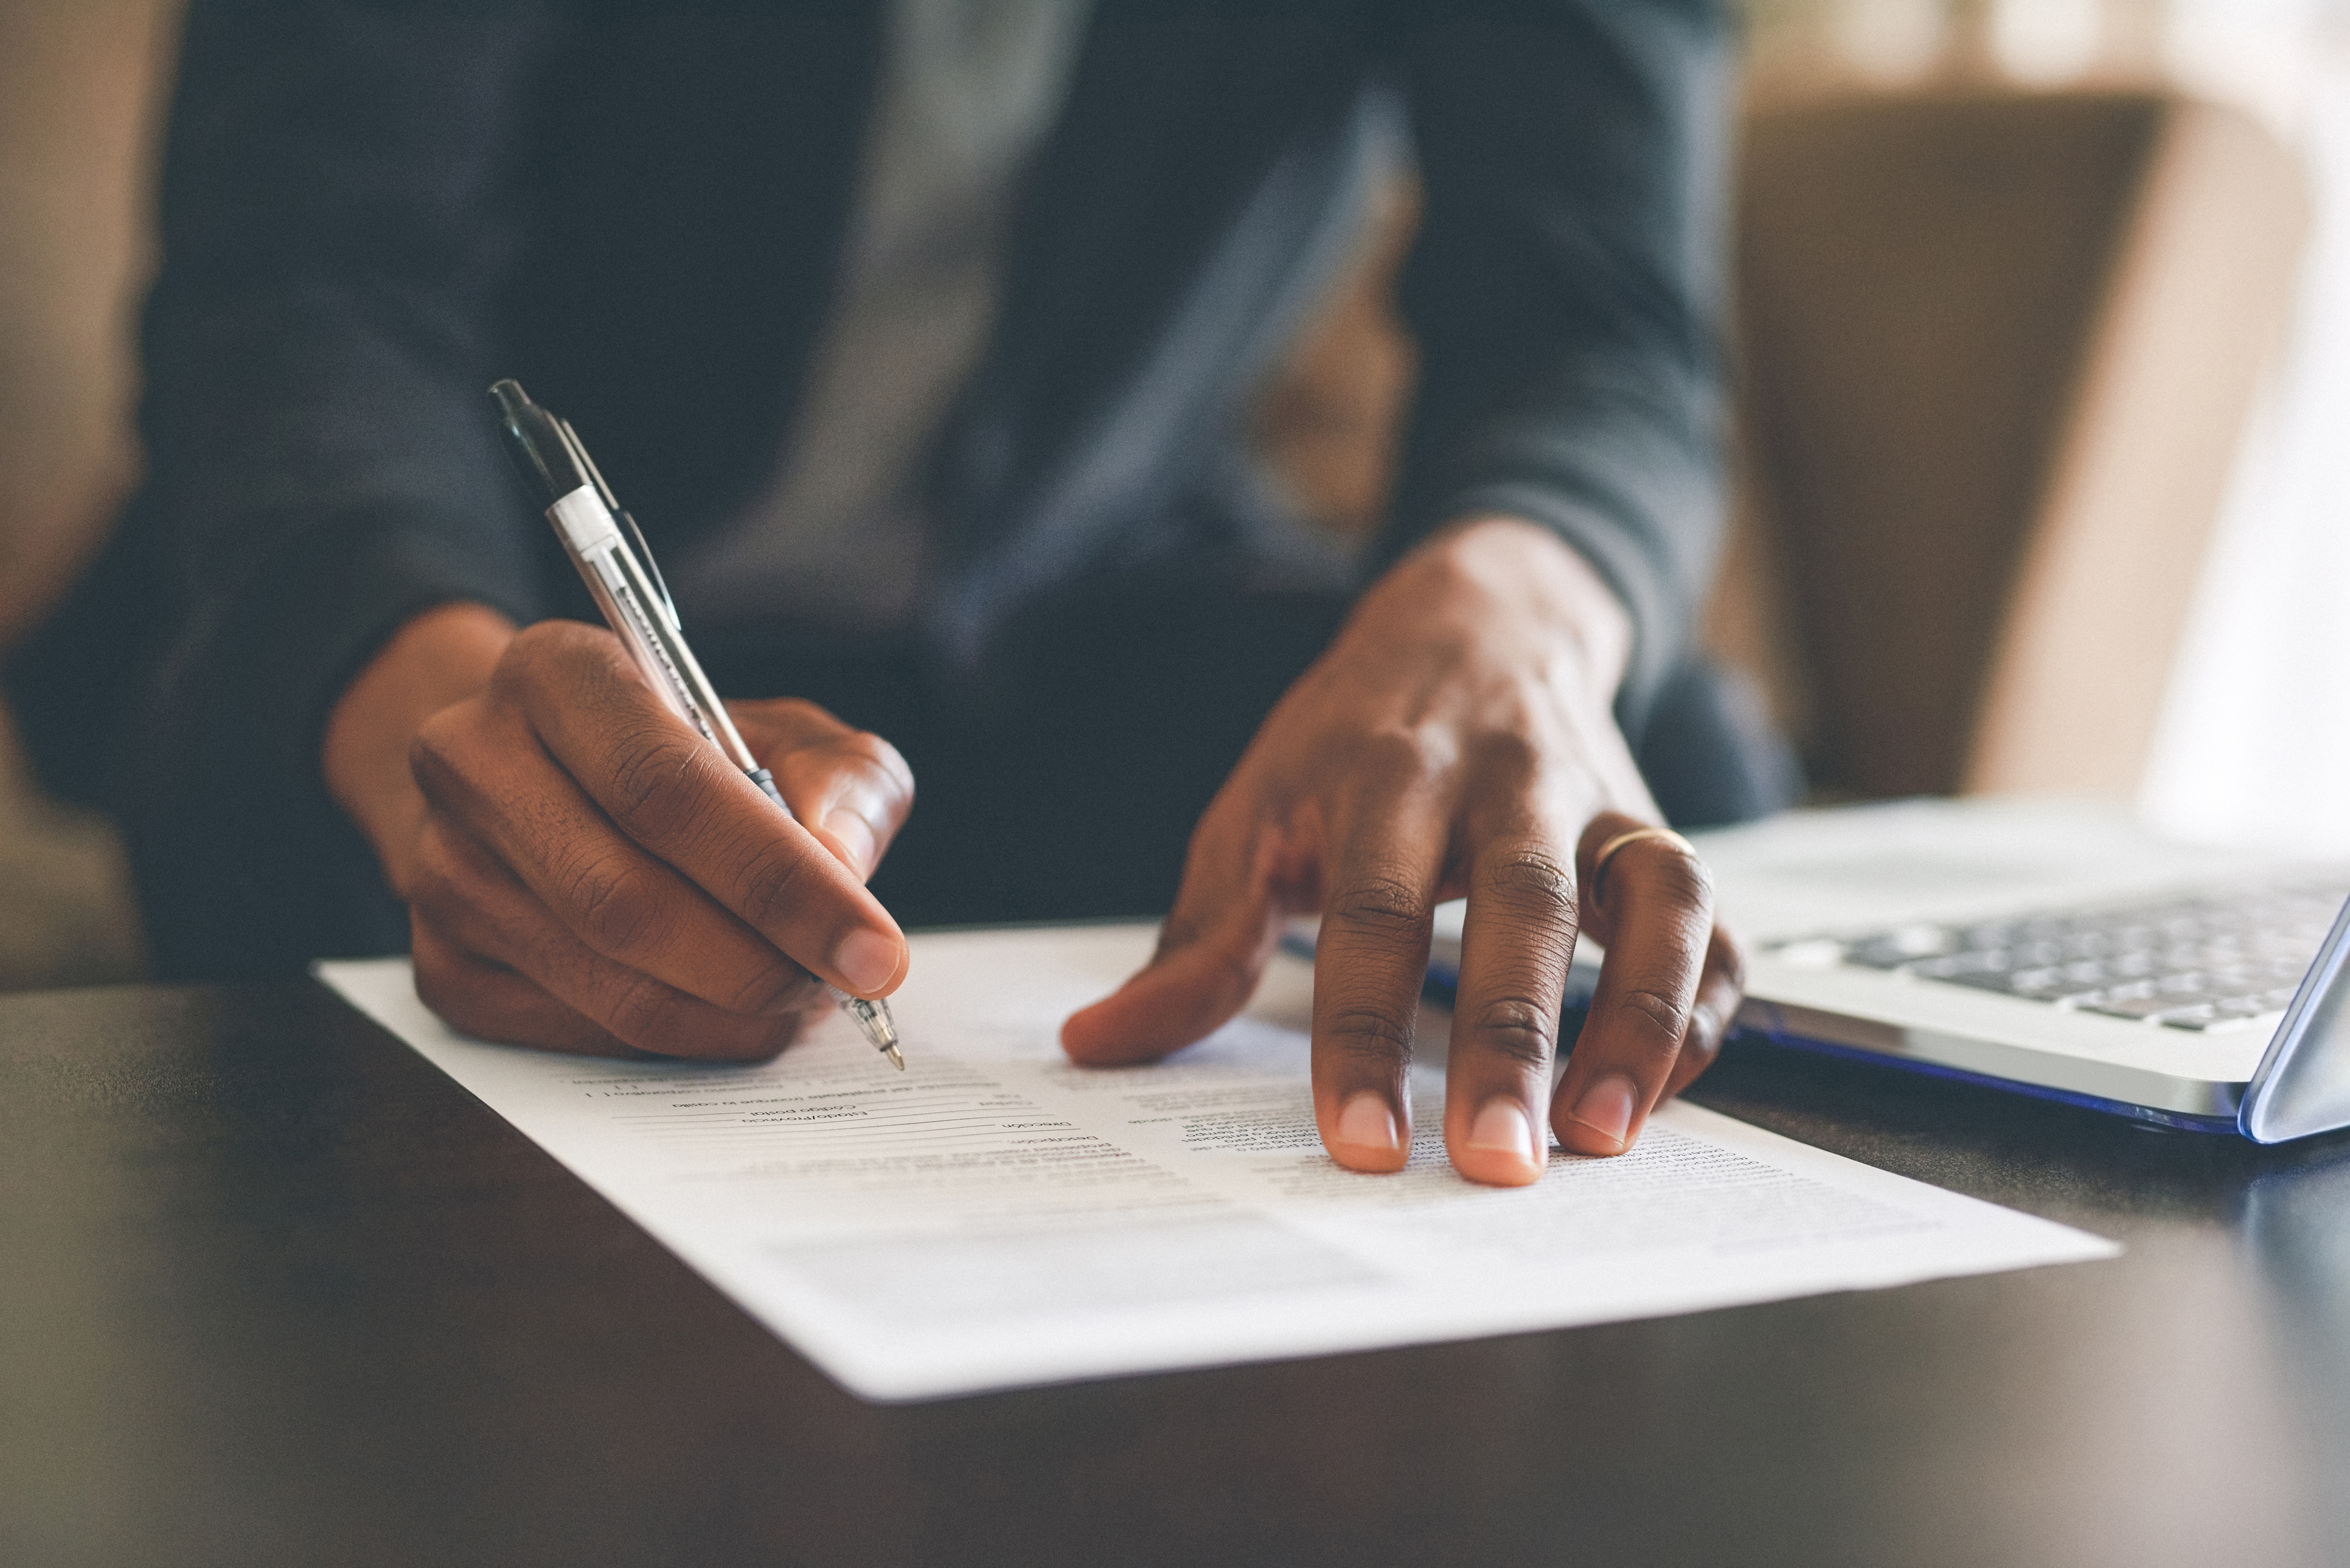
556	639
534	644
537	652
659	782
454	998
1381	905
1506	756
1388	757
775	986
1369	1033
434	975
771	885
645	1012
1532	882
752	1040
1675	873
1730	961
618	912
1706	1030
786	724
1519	1028
434	878
876	752
1390	751
542	635
801	714
435	755
1657	1024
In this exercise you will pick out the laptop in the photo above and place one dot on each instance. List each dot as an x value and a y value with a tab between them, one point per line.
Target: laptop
2054	949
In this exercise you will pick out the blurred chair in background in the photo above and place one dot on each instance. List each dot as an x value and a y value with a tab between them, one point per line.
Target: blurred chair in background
77	80
1998	348
78	83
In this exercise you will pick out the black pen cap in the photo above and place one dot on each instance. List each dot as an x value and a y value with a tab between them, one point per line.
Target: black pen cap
534	441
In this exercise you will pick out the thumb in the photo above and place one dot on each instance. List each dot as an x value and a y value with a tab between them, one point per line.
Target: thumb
1212	952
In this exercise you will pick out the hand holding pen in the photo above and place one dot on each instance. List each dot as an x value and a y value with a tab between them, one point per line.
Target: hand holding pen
587	870
627	588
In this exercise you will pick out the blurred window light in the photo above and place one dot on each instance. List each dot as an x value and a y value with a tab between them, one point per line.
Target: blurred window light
2264	55
1889	40
2256	736
2044	42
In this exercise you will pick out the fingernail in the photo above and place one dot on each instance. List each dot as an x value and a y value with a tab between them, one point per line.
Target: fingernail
1607	1107
1502	1126
866	960
855	835
1367	1122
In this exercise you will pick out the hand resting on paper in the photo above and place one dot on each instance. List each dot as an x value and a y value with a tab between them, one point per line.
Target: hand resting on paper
1456	739
583	872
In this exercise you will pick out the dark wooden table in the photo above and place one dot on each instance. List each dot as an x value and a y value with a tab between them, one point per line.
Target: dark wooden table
273	1291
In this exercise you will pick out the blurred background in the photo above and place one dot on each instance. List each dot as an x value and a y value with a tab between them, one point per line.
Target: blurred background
2044	359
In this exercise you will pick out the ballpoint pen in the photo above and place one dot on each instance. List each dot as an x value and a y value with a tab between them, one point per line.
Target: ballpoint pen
627	588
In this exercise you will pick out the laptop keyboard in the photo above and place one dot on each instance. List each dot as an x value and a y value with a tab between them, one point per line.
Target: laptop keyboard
2197	963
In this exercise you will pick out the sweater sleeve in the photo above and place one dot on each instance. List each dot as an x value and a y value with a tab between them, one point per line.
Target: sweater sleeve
337	199
1566	289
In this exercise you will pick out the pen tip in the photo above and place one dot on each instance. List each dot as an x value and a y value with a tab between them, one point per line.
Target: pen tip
897	1057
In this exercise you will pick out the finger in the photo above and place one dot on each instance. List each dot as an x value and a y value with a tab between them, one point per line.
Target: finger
489	1001
1516	945
502	791
1721	987
475	901
851	789
1212	950
671	792
1652	907
1370	962
472	903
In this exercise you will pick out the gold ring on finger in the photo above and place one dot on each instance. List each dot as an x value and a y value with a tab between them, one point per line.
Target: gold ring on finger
1624	840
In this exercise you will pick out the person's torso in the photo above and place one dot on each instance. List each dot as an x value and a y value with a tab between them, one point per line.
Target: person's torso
691	184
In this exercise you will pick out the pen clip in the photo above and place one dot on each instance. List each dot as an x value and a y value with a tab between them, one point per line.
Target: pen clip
579	450
645	553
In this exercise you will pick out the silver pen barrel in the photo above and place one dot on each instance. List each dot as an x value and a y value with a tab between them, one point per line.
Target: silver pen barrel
624	590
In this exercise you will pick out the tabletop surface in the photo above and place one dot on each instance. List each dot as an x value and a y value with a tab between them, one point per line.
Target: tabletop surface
273	1291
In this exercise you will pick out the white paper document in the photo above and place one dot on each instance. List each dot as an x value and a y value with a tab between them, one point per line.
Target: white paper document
995	1216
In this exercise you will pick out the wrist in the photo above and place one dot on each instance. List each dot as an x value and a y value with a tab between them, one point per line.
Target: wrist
433	661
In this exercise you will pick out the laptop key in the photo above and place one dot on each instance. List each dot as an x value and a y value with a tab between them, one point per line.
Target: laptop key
1963	966
1894	948
2135	999
2056	985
